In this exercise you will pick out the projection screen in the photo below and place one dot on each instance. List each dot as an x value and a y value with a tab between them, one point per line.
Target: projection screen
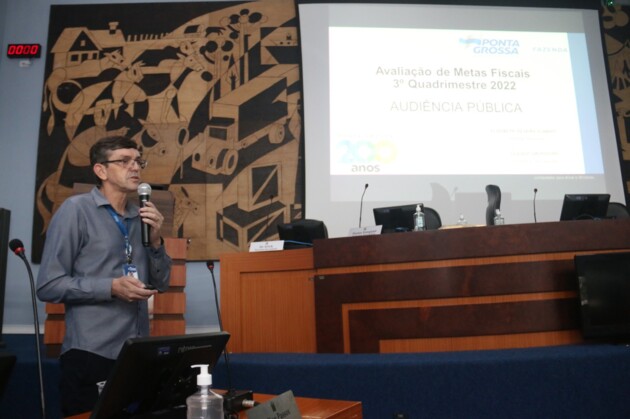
430	103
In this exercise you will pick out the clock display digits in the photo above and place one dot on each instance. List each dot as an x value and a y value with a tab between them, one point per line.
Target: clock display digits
24	50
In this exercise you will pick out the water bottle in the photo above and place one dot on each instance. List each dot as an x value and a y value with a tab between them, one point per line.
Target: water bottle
418	219
498	218
204	404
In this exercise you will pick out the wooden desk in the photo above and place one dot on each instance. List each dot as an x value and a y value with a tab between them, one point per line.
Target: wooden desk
322	408
309	408
495	287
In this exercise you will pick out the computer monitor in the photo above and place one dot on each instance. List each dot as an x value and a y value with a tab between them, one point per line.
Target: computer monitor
584	207
396	218
302	232
604	288
153	375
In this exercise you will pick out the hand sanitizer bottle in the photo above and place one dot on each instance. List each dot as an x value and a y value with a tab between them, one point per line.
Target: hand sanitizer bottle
204	404
498	218
418	219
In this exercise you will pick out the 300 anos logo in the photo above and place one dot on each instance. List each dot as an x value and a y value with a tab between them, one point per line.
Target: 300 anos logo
366	156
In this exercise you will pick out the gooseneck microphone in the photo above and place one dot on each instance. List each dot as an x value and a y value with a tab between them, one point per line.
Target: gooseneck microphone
144	194
535	192
361	207
17	247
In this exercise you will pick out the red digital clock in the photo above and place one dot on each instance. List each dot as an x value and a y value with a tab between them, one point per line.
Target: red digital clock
24	51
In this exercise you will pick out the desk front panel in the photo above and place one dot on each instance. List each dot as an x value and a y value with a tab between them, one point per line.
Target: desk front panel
462	289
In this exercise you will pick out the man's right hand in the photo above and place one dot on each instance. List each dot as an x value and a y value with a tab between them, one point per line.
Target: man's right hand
128	288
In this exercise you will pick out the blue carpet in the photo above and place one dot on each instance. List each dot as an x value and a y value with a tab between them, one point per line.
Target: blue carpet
581	381
21	398
573	381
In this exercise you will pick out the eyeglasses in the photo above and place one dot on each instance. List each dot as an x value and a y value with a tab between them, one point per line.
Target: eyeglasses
126	162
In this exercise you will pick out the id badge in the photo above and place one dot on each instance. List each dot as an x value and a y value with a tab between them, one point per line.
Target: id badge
130	269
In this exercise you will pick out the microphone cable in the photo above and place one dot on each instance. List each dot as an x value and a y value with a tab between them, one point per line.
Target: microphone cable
210	265
233	401
18	248
535	192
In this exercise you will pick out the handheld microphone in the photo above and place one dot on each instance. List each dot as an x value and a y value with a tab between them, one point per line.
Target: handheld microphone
234	400
17	247
361	207
144	194
535	192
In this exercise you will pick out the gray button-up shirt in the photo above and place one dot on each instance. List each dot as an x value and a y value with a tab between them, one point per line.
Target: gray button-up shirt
83	253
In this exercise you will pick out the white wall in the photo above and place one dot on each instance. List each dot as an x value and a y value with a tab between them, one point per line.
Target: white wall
20	106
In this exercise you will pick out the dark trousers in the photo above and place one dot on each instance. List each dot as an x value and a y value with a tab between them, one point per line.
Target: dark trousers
80	373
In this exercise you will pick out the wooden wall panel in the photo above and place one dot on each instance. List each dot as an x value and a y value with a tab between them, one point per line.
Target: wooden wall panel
368	327
334	292
267	301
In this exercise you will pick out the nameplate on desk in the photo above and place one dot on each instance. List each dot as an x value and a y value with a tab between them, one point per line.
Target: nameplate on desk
282	406
266	246
365	231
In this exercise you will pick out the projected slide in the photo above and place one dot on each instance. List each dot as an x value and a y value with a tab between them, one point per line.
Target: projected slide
496	102
430	103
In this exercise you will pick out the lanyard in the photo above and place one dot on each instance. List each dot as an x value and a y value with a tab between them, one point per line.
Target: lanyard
123	229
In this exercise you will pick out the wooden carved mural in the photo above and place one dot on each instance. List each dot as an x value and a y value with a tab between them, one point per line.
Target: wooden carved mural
616	25
212	93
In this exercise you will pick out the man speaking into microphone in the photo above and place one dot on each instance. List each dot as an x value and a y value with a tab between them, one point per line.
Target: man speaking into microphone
94	262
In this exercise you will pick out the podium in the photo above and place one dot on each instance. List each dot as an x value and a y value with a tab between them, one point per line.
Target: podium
495	287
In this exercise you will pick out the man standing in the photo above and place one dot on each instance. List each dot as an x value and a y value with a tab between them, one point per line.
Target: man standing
94	262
